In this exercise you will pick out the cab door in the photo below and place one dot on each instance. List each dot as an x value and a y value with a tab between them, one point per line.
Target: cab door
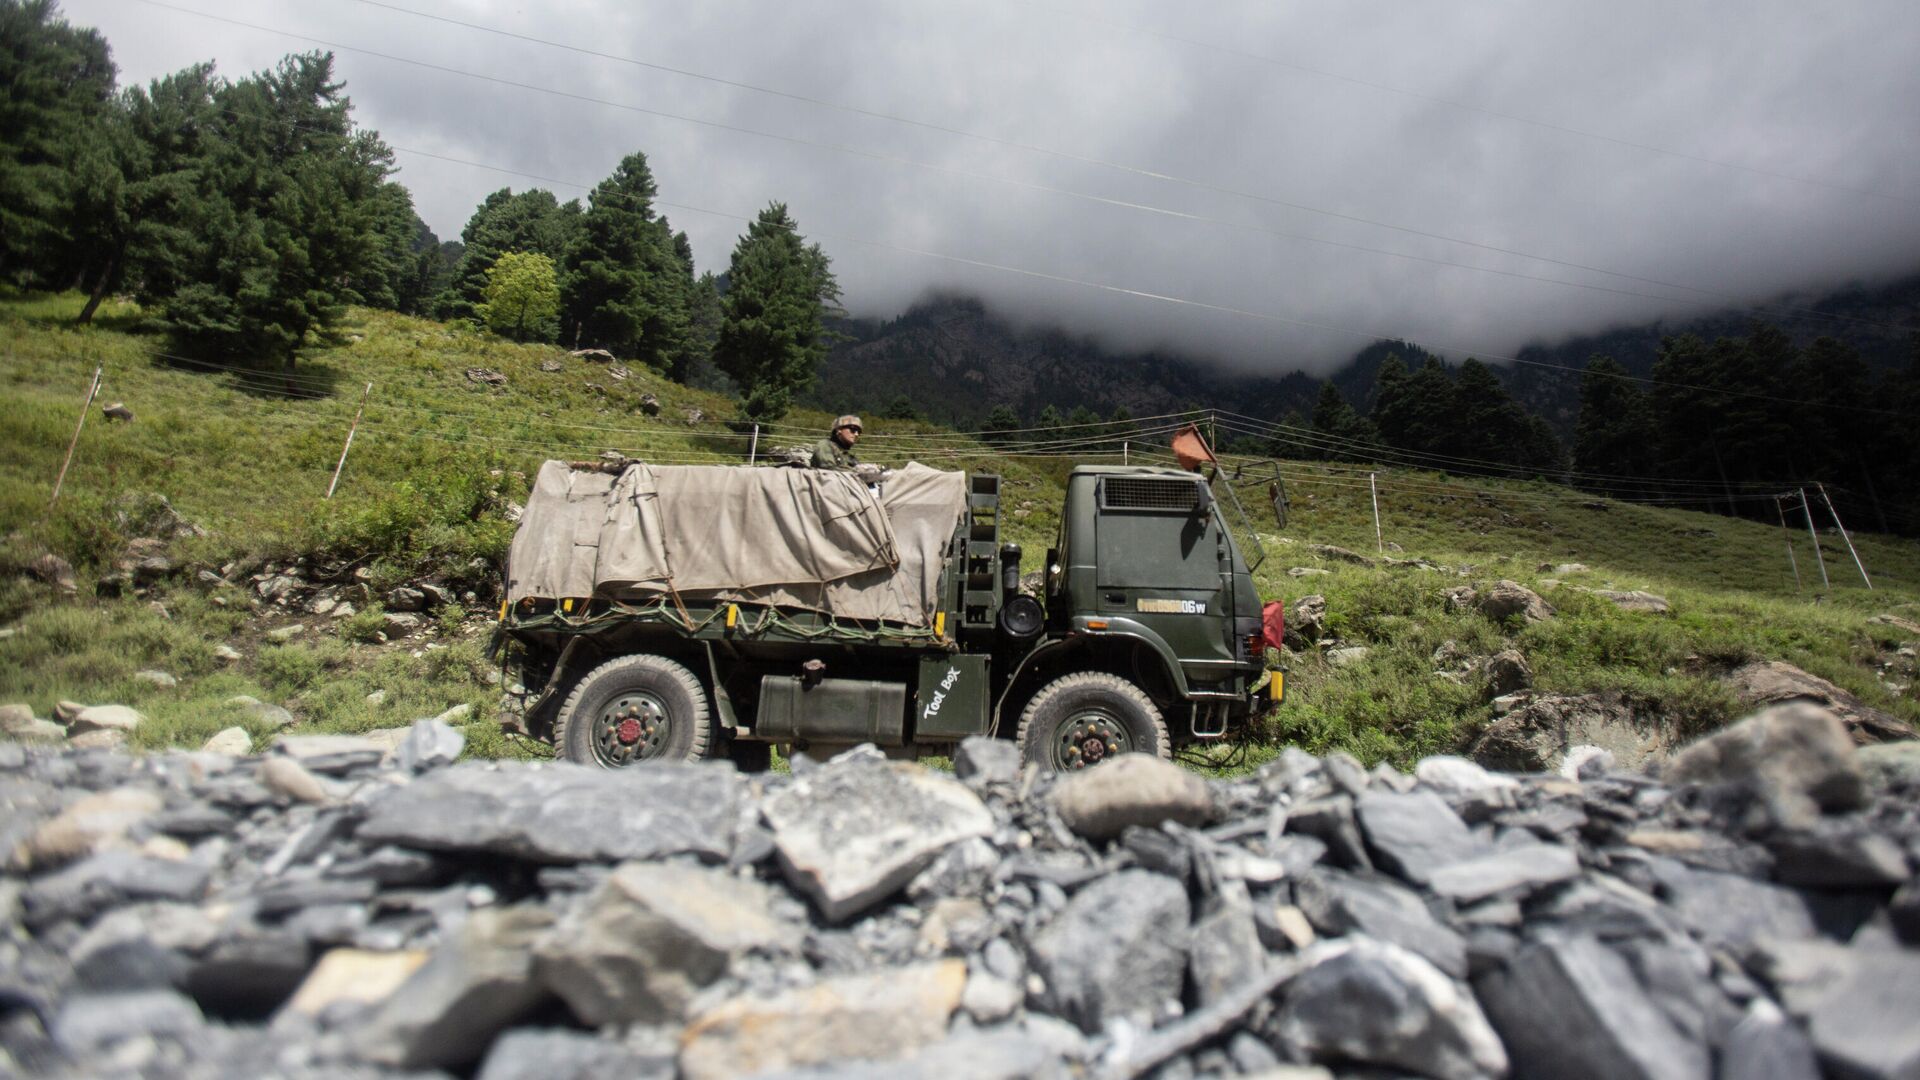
1164	561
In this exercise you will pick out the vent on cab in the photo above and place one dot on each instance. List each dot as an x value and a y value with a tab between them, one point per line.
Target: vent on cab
1149	493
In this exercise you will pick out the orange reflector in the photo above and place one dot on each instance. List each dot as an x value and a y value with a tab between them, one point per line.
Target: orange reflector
503	611
733	615
567	604
1096	624
939	624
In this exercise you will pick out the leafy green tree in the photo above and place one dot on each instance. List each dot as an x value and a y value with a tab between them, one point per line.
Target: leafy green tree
523	296
1000	425
1049	424
56	85
533	221
772	339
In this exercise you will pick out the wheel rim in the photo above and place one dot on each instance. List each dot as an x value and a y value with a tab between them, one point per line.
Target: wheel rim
632	727
1087	738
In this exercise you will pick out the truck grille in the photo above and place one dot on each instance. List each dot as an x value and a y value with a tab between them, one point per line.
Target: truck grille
1149	493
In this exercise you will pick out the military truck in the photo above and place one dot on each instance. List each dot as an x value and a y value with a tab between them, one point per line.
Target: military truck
679	612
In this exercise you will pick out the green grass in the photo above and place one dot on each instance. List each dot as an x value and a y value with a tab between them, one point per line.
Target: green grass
437	459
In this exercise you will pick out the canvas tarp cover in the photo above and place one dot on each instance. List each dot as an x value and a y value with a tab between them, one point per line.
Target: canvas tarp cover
792	537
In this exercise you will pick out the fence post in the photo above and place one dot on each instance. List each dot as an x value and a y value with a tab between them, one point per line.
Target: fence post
343	450
1843	534
85	406
753	448
1379	541
1780	506
1126	453
1808	507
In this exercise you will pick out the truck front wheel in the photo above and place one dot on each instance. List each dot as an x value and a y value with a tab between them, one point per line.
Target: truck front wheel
1078	721
635	708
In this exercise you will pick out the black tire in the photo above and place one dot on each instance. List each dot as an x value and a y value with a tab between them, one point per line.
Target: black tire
634	708
1078	721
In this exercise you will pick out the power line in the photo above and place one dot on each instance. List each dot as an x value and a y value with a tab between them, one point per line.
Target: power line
1030	185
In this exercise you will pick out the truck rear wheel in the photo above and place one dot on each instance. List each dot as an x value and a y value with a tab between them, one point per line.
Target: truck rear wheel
1078	721
635	708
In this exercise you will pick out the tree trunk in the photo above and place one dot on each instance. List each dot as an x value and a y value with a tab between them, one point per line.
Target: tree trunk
99	290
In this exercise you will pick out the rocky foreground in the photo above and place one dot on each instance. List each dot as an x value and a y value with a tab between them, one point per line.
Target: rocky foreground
321	911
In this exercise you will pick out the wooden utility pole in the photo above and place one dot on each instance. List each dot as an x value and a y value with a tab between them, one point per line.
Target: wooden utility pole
85	407
1808	507
1835	514
1779	504
343	450
1379	541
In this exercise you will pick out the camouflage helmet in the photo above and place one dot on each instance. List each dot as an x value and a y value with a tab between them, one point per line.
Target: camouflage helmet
848	420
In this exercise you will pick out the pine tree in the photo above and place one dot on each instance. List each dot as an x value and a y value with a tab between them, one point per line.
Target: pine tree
1001	423
607	273
56	85
772	339
1392	406
1430	426
1343	434
1613	436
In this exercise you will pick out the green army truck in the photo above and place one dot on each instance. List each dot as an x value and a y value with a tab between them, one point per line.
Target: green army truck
680	612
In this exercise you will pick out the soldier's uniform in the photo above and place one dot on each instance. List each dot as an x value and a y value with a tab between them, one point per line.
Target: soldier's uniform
829	453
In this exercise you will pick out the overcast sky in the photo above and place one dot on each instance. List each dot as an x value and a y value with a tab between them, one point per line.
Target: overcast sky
1736	149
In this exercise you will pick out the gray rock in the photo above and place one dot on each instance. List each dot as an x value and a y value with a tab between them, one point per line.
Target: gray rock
286	634
1764	1045
402	623
1347	655
1367	1001
1505	600
330	754
458	714
1306	621
88	1023
980	761
105	718
561	1054
109	739
1887	765
1331	821
851	833
1778	768
227	653
1570	1007
1451	775
1117	950
474	984
1634	600
1863	1024
429	744
964	869
1518	869
233	741
880	1015
563	813
1223	951
55	571
1536	737
1132	789
288	778
1586	763
1727	909
405	598
1837	855
1508	671
1339	903
651	937
107	880
1413	835
1770	682
158	678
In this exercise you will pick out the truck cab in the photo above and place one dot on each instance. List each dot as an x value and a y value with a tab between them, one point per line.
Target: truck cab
1146	592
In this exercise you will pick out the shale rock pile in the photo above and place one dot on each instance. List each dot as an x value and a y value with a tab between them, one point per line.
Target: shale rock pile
1755	914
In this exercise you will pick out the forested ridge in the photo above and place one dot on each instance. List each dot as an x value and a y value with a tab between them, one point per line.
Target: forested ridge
245	214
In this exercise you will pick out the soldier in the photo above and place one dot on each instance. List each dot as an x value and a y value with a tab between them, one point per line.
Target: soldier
836	450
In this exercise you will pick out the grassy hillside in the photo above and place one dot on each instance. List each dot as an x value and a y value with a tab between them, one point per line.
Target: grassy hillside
440	457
